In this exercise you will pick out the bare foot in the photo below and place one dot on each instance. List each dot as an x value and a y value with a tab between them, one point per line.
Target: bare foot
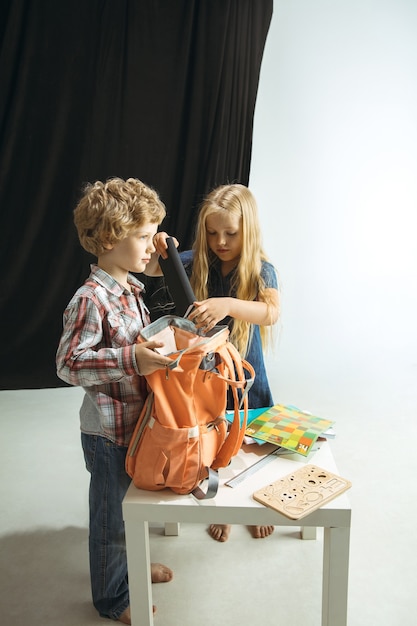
260	532
161	573
220	532
125	616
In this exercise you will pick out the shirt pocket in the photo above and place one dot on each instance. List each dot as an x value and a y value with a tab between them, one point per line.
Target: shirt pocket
123	327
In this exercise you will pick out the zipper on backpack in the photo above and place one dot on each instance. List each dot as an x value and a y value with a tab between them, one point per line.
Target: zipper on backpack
214	424
145	420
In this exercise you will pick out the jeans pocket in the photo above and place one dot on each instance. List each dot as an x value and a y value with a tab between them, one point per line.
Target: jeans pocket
89	445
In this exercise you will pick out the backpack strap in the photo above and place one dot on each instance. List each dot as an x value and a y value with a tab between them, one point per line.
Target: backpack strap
211	488
234	440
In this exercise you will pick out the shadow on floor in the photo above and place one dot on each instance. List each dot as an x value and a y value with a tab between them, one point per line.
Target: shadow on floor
44	579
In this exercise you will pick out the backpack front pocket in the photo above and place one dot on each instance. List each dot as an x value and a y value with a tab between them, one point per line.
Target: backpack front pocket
168	458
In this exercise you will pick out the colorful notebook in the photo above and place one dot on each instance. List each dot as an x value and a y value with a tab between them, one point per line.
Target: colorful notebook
252	415
288	427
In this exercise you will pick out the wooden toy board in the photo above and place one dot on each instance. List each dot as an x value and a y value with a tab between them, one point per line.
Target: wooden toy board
305	490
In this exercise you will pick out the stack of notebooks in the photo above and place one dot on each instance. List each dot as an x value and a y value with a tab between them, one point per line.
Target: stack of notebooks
287	427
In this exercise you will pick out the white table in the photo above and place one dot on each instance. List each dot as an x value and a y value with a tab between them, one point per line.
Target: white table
236	506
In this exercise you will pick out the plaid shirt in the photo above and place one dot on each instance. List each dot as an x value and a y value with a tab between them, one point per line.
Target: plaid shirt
97	351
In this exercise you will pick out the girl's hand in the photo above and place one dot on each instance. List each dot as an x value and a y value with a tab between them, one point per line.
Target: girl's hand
160	243
208	313
147	359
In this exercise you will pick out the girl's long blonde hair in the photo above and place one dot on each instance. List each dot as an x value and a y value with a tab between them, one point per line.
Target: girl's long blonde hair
237	200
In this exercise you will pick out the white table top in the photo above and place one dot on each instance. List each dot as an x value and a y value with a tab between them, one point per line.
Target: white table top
236	505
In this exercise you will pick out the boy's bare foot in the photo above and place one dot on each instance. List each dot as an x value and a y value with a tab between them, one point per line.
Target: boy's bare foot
220	532
161	573
124	618
260	532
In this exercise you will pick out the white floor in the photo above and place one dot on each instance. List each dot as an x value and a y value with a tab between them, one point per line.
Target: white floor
44	577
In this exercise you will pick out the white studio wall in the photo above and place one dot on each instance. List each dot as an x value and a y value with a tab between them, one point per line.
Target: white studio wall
334	170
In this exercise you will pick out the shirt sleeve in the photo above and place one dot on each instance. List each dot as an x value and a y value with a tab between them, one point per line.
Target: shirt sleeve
269	275
82	357
187	261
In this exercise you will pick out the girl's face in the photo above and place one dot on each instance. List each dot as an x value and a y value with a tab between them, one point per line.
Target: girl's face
224	236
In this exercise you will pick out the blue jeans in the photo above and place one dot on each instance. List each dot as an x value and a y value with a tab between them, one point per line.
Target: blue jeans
108	562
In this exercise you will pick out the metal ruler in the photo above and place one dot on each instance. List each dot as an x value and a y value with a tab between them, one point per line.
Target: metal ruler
239	478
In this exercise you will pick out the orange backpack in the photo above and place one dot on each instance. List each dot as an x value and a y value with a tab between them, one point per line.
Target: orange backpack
182	436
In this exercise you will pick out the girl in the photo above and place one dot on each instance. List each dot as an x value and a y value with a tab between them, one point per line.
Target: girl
232	279
236	285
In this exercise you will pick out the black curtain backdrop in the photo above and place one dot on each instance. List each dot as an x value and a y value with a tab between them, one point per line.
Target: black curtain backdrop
164	91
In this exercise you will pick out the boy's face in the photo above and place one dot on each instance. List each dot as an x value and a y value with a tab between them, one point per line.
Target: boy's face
132	254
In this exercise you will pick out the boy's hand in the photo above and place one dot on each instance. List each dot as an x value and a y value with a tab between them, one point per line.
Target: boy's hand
160	243
147	359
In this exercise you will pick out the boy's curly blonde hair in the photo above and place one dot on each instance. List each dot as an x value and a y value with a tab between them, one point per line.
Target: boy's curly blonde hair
108	212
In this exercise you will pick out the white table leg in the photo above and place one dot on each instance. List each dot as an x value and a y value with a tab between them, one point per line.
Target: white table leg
139	566
335	576
308	532
172	529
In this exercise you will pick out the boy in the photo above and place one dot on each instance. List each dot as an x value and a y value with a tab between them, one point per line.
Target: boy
116	221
